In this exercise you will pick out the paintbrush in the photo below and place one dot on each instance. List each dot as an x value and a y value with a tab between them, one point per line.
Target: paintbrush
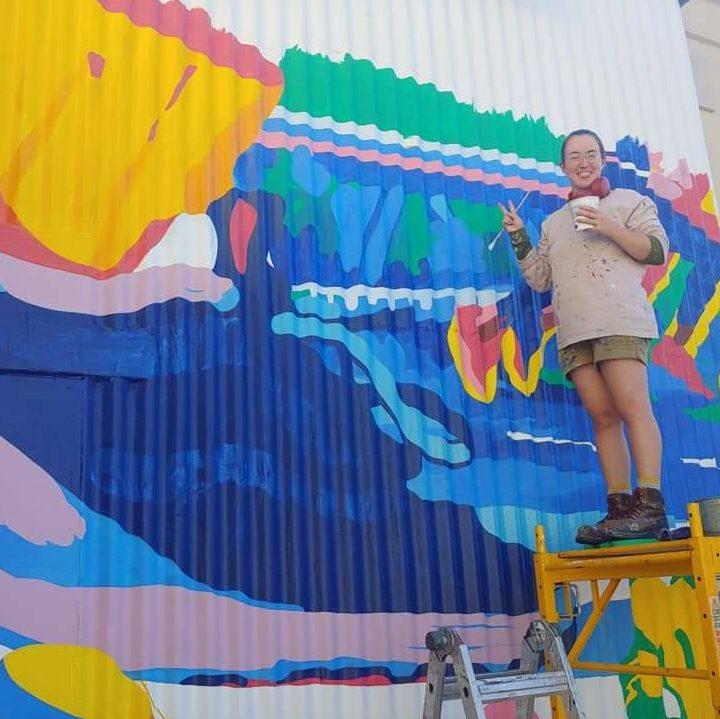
492	244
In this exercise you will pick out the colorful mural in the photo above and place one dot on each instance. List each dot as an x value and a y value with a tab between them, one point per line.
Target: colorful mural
273	402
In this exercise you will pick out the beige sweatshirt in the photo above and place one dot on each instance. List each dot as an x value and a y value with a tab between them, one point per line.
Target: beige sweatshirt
596	285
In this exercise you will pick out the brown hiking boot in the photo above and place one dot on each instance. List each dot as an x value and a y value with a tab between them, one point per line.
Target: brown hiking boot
619	506
646	519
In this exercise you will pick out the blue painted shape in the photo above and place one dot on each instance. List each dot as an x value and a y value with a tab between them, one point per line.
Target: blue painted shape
494	482
278	672
613	638
516	525
250	167
13	640
415	426
352	207
378	243
84	564
16	703
456	250
544	172
35	340
360	375
310	175
440	205
386	423
228	301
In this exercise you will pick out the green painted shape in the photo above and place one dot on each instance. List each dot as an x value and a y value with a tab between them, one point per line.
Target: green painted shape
690	581
412	240
709	413
684	641
355	90
301	208
478	218
641	706
669	300
277	179
305	210
555	377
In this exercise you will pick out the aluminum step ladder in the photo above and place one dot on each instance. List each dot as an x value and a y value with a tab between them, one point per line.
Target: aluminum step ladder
523	685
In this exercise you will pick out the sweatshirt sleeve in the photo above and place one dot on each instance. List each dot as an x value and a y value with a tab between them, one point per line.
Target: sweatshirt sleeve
535	265
643	218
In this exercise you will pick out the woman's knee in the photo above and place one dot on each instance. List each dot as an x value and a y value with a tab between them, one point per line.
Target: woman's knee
635	409
604	418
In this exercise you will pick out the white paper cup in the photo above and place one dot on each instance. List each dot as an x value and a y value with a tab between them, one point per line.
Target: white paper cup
589	201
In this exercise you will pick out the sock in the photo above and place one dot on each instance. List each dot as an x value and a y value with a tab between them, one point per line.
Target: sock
650	482
619	489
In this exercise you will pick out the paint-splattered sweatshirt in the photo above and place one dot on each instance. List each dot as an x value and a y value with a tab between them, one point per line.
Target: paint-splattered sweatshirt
596	286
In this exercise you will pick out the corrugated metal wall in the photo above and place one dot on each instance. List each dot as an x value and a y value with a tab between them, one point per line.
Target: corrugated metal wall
271	406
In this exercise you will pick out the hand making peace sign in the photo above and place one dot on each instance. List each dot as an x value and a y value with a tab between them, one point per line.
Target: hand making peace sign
511	219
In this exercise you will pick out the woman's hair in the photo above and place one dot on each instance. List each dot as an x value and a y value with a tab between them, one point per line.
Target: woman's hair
577	133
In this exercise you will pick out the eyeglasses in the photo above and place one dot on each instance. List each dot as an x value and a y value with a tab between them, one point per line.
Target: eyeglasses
591	156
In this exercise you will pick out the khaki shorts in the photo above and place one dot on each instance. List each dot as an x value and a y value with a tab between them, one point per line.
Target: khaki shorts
603	348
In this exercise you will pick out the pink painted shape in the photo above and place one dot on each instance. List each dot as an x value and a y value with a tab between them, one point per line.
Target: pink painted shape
682	175
654	273
658	182
503	710
242	224
157	626
675	359
96	63
690	205
687	204
187	74
153	131
68	292
195	29
17	241
278	140
478	355
31	502
547	318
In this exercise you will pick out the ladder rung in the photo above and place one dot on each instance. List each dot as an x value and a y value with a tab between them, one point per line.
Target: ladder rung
497	688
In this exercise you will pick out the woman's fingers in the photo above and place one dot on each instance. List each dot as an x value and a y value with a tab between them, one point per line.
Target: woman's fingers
510	216
587	211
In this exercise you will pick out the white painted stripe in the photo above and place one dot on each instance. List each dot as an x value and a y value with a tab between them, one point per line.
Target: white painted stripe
392	137
425	297
524	437
705	463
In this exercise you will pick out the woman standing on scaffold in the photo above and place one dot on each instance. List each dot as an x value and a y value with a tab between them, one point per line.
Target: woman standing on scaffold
593	253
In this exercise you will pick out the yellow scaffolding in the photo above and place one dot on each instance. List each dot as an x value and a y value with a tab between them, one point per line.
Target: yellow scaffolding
698	556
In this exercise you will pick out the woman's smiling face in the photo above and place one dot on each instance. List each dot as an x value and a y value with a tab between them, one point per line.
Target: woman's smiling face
582	161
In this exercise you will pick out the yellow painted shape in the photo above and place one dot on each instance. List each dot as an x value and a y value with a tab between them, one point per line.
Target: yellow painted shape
664	282
81	681
76	162
508	346
659	611
651	685
701	331
708	203
485	394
